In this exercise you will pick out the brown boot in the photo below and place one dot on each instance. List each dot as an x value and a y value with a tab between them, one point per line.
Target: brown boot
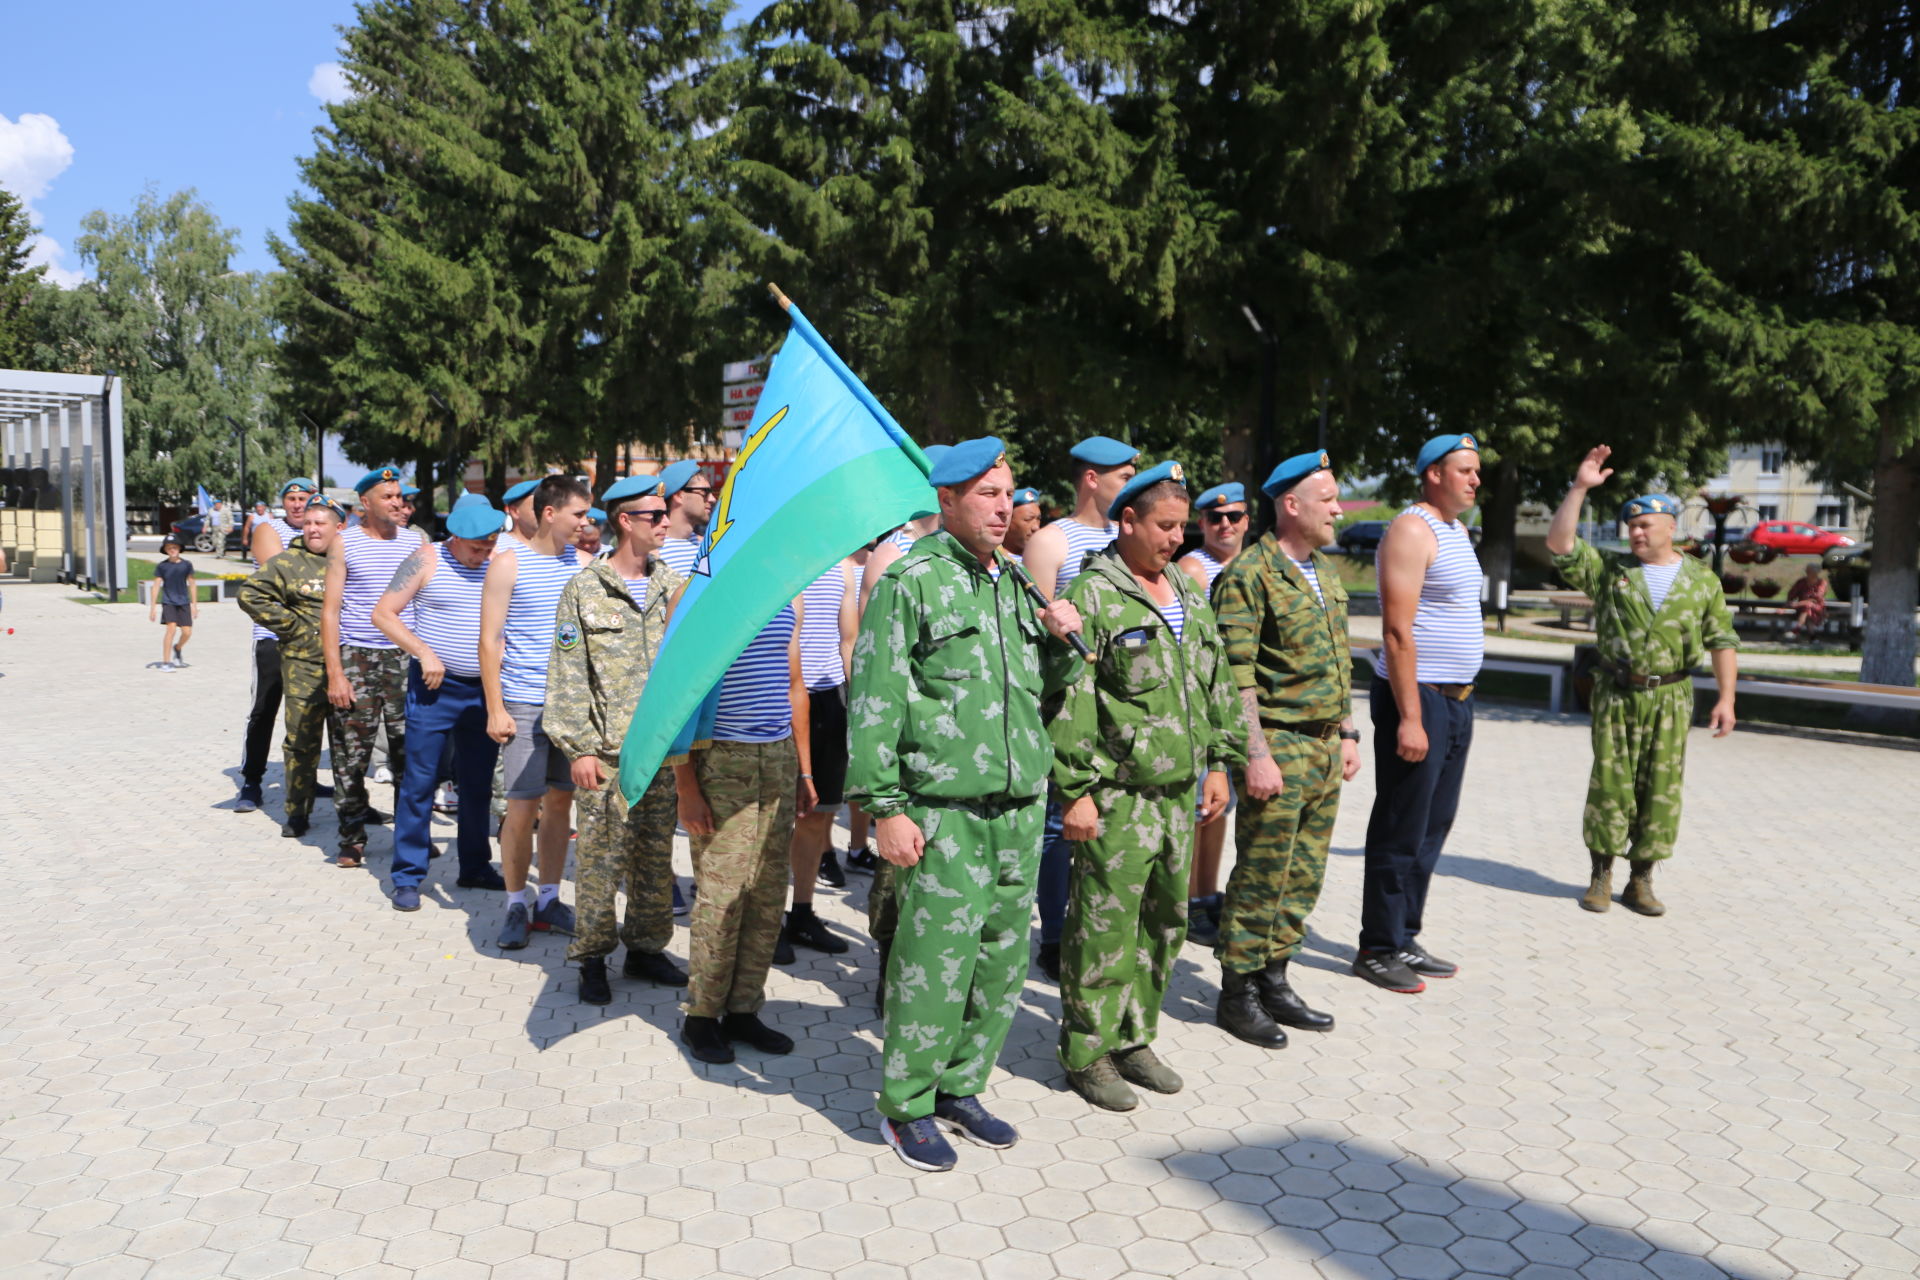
1638	895
1599	894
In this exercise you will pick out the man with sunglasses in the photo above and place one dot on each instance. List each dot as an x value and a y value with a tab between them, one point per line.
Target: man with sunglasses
689	498
1223	531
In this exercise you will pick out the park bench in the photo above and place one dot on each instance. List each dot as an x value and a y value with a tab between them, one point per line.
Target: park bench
1848	692
1556	672
1571	602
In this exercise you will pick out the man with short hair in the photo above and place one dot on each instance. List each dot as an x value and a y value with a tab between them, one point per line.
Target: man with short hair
431	610
517	619
608	629
366	674
689	497
950	756
1433	644
1099	468
588	540
1025	522
270	536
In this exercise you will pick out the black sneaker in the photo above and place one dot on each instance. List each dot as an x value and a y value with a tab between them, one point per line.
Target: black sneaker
920	1143
1415	957
324	790
249	799
865	861
1385	969
830	873
748	1027
375	818
593	981
1049	960
810	930
653	966
485	878
293	828
1203	927
556	916
513	934
705	1041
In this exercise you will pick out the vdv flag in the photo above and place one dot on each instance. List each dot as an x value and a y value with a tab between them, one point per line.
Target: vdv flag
824	471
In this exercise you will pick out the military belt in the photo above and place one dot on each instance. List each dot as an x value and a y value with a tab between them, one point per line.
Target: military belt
1632	680
1322	729
1457	692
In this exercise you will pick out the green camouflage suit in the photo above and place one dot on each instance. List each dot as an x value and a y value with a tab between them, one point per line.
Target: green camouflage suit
1138	726
284	595
1640	735
603	647
1292	653
945	727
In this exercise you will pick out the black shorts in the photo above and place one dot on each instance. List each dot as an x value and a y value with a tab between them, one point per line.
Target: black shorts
180	615
827	731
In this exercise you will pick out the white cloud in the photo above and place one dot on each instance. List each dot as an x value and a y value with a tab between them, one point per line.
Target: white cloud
33	152
329	83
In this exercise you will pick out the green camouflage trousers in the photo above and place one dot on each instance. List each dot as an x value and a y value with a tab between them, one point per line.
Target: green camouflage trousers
1639	753
621	849
1281	855
742	871
960	953
379	680
304	689
1126	919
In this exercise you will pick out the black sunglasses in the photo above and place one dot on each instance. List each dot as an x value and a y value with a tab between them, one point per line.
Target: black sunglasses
651	517
703	489
1231	517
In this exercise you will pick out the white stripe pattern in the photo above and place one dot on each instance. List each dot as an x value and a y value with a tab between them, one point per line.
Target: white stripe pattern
1211	567
1176	616
756	703
1313	579
820	629
371	563
288	535
1081	540
679	554
446	613
528	634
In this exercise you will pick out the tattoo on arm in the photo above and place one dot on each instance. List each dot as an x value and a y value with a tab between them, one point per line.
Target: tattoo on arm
1257	748
409	570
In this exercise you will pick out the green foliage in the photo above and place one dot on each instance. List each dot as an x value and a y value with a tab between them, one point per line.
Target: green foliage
18	283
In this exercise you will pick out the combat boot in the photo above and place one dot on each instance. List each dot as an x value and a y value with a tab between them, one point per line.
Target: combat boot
1284	1005
1599	894
1240	1013
1638	895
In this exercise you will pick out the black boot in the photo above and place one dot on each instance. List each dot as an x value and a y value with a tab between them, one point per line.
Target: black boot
705	1040
593	981
1240	1013
1284	1005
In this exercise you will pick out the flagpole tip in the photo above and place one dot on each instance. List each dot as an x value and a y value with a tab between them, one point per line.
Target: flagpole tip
786	303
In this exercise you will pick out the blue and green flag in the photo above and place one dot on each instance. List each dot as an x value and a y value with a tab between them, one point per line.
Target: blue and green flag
824	471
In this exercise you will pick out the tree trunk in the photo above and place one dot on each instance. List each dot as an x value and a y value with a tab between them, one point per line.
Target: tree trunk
1893	581
1499	516
496	480
1241	450
605	459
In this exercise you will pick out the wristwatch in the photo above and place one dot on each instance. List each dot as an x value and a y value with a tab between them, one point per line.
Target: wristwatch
1350	735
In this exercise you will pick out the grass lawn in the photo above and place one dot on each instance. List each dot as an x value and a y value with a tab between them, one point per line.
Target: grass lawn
206	582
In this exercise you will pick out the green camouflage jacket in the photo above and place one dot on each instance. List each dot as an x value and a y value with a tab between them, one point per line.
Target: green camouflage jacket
1281	642
1149	710
948	672
284	596
603	647
1630	634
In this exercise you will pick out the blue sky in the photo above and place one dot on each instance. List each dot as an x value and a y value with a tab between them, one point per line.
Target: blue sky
218	95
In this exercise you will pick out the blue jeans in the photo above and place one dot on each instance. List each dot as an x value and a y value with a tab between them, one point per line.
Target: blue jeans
1413	810
1056	861
456	712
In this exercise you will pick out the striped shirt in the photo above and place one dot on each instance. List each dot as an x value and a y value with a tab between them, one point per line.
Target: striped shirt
1081	539
371	563
1449	639
288	536
820	629
680	554
1176	616
1313	579
638	589
756	700
1659	580
528	634
1209	566
446	613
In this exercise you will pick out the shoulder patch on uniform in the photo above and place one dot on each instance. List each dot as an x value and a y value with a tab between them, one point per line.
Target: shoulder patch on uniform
566	635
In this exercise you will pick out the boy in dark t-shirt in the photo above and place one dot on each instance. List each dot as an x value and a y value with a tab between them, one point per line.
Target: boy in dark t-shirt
174	603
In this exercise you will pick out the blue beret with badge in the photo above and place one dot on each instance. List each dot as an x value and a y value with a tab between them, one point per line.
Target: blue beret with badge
966	461
1021	497
1649	504
1103	451
1221	494
323	503
1294	470
1144	481
298	482
675	477
631	487
1440	446
474	517
379	475
519	491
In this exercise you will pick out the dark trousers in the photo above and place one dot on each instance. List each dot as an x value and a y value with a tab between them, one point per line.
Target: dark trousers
456	712
1413	809
1056	864
266	710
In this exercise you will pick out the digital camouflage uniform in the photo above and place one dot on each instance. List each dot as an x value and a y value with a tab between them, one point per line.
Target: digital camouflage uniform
945	727
1149	716
603	648
1640	735
1293	653
285	596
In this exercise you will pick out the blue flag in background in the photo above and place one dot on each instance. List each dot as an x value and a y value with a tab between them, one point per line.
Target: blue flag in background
202	500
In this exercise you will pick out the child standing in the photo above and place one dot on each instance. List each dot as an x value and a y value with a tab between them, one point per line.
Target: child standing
174	603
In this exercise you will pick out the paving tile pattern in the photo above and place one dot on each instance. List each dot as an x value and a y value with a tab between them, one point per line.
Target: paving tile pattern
222	1056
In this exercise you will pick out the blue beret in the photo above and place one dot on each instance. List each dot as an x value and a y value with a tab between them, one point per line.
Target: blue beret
1021	497
596	515
631	487
1143	482
474	517
298	482
966	460
1294	470
1439	447
409	490
1650	504
934	453
519	491
372	478
675	477
322	502
1232	491
1104	451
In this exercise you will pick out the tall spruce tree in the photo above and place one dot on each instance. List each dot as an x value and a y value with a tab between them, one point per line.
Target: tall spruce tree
18	282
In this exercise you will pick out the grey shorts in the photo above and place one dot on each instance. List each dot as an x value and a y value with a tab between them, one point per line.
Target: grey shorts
530	765
180	615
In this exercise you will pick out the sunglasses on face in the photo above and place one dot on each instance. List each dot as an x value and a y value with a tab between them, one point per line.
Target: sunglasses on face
703	490
1231	517
651	517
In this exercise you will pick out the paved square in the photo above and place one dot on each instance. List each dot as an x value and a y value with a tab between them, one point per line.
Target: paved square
225	1057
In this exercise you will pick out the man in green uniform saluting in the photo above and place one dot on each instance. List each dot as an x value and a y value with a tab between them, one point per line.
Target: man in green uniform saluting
1654	612
951	758
1152	714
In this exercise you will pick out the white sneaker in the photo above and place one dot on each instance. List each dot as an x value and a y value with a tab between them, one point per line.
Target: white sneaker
166	666
446	799
382	774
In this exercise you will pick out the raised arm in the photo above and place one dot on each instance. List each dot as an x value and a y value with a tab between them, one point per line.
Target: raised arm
1592	474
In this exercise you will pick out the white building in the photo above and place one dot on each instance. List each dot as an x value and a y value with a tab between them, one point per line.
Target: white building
1773	488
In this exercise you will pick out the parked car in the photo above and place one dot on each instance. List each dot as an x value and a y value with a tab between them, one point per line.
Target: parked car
1361	538
193	532
1796	538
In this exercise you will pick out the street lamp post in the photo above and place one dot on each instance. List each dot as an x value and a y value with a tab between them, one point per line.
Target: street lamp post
1268	451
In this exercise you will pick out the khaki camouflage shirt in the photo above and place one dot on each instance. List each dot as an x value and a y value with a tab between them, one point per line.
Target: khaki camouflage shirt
948	673
603	647
1149	710
284	596
1631	634
1281	642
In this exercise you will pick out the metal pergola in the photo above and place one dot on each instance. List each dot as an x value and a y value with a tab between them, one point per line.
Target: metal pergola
63	479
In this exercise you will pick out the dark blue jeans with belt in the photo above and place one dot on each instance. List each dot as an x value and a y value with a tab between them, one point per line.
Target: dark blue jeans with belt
1413	809
455	712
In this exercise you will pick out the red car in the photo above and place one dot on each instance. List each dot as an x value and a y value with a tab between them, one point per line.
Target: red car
1795	538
